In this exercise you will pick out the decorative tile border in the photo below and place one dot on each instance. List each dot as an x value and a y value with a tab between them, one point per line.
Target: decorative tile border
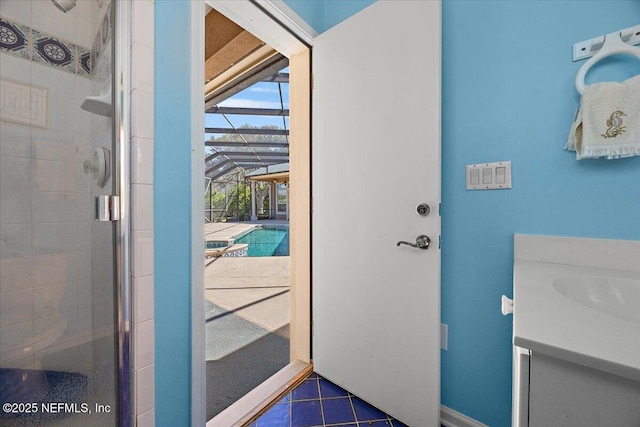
103	35
215	244
52	51
15	38
28	43
241	252
231	250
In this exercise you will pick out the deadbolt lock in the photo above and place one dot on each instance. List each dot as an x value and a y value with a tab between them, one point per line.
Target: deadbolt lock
423	209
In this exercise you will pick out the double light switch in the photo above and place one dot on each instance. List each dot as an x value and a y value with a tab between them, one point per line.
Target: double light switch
489	176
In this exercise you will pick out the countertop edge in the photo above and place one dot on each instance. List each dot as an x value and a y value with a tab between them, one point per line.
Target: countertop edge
578	358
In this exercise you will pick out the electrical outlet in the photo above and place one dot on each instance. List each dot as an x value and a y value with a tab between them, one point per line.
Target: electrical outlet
444	336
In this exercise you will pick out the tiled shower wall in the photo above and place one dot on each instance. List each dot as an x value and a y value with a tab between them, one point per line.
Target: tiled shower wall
55	261
142	225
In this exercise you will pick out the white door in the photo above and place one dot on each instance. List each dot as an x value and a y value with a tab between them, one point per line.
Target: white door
376	156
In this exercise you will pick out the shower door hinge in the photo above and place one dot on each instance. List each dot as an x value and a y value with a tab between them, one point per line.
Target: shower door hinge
107	208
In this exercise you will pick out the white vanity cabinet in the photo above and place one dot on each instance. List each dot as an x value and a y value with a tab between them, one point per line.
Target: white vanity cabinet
576	333
562	393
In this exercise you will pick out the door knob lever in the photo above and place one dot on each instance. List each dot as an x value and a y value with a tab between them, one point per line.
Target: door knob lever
422	242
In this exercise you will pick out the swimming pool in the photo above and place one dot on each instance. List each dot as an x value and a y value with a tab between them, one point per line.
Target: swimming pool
267	242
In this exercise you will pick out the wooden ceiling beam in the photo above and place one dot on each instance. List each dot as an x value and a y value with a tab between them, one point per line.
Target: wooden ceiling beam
218	31
233	52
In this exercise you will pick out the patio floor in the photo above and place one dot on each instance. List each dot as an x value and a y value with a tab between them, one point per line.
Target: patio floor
255	288
247	323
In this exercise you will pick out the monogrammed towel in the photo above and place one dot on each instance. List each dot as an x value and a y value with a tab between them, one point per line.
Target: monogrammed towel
608	121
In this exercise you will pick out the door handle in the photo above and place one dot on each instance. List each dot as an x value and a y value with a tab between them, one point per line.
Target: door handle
422	242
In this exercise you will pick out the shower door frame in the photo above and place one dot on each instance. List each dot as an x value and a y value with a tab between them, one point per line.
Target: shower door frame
122	227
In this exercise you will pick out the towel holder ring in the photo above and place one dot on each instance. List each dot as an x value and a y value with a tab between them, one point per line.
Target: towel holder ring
613	45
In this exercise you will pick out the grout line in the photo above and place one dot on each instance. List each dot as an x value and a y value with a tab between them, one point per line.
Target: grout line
290	402
353	409
317	380
323	398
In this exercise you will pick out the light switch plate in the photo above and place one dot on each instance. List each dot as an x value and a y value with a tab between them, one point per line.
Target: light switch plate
489	176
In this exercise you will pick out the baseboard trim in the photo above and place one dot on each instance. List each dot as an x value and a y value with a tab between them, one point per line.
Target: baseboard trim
451	418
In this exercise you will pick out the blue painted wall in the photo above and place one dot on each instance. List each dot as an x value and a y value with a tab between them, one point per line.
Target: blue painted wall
172	215
508	94
312	11
324	14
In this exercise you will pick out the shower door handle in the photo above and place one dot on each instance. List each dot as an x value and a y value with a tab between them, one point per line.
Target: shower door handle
422	242
107	208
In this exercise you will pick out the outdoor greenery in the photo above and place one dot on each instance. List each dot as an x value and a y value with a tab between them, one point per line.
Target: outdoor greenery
230	198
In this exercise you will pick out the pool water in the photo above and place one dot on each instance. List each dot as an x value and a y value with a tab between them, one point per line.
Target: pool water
267	242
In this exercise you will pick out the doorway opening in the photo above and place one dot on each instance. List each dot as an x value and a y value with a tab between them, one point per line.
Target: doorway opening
256	239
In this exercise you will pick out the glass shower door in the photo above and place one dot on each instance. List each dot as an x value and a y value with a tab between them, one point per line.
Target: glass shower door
57	295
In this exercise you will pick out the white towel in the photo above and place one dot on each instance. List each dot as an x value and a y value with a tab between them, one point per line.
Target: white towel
577	121
608	121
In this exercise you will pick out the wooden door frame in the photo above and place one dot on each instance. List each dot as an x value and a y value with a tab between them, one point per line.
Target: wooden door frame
277	25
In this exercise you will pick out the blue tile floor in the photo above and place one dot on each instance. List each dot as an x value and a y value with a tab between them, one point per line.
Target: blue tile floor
317	402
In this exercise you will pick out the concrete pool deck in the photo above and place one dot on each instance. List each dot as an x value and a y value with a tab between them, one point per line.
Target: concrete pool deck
255	288
247	326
